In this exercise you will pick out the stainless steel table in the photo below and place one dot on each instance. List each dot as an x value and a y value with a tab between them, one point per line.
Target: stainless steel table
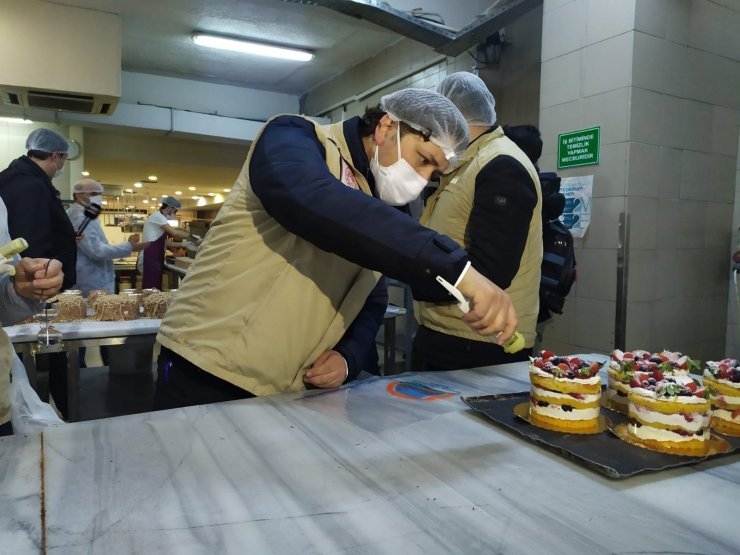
87	333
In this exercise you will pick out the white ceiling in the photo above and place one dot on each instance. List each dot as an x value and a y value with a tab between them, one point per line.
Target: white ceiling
157	40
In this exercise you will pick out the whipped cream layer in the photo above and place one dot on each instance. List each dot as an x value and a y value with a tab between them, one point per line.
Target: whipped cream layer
659	434
726	415
584	398
556	411
649	416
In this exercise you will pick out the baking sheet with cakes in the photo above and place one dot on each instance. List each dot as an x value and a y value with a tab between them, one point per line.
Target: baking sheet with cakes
651	414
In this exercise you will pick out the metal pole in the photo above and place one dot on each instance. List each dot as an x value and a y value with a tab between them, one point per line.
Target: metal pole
620	317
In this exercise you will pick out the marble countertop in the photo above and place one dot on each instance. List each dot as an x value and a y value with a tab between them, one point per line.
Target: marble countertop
385	465
86	329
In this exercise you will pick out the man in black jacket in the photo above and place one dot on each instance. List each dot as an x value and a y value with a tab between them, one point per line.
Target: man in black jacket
35	211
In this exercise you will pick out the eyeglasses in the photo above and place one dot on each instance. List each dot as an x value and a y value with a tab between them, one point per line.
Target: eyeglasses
62	155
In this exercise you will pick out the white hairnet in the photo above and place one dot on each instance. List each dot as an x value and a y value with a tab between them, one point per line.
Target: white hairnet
46	140
471	96
172	201
432	114
87	186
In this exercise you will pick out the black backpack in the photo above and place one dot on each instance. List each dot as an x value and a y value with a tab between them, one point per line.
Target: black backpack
558	256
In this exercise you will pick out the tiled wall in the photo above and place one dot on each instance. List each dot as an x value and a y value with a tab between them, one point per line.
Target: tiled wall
662	80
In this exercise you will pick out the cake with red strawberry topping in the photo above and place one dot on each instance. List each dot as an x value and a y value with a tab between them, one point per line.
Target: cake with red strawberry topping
623	366
671	415
565	394
722	380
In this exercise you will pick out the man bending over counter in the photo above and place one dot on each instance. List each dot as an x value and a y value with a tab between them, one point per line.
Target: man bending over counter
286	290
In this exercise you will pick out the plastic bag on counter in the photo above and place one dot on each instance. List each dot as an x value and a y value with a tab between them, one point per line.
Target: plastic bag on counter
28	412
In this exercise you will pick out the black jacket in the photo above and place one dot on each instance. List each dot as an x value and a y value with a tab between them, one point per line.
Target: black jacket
36	213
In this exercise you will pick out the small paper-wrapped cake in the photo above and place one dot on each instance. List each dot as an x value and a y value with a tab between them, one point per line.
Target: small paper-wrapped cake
111	308
155	304
565	393
70	306
722	380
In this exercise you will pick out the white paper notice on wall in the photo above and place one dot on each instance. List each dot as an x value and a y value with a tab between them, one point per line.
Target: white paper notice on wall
577	213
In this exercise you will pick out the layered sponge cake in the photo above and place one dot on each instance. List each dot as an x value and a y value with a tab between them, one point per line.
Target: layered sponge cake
671	415
565	394
722	380
623	366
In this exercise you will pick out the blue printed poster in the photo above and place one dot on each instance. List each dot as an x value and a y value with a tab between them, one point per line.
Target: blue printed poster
577	213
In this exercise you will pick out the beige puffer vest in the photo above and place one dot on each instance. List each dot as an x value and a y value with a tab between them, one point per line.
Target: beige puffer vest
448	211
260	304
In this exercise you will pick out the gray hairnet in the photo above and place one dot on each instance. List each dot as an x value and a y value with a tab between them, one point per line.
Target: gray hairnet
432	114
87	186
172	201
46	140
471	96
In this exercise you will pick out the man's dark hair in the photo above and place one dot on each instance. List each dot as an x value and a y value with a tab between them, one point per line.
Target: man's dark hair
526	137
371	118
39	154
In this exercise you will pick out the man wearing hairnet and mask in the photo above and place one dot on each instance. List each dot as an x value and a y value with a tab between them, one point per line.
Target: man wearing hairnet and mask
35	211
490	204
286	290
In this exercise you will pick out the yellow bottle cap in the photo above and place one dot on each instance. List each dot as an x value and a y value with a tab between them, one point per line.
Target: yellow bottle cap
14	247
514	344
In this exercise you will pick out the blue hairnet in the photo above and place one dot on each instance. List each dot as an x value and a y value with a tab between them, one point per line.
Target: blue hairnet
471	96
46	140
172	201
432	114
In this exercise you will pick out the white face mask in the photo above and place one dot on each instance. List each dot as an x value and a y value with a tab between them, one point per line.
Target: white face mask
399	183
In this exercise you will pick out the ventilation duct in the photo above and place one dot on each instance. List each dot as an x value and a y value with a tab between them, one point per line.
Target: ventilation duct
443	40
64	58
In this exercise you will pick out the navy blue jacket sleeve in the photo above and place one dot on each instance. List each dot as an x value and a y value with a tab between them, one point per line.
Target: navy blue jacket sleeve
289	175
505	198
357	346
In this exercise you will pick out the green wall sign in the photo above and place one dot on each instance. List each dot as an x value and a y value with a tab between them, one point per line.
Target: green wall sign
579	148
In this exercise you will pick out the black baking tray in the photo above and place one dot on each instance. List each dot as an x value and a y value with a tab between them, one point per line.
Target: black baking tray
603	453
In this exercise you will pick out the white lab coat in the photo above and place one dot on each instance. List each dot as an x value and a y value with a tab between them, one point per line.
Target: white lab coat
95	254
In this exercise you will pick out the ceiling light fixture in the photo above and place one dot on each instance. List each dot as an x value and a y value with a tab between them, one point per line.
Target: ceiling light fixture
250	47
85	173
152	178
16	120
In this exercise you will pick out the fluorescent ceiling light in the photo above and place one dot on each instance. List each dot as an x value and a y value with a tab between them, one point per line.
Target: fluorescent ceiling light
15	120
249	47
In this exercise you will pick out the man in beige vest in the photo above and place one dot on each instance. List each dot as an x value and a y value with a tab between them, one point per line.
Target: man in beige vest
490	204
20	295
285	292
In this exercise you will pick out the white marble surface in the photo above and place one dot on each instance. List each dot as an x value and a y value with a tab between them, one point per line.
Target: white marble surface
86	329
356	470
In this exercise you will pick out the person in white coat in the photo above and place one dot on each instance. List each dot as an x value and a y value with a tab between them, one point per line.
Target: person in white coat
95	255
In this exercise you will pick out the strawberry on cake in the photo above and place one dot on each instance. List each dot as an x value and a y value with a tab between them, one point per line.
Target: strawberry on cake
565	394
671	415
623	366
722	380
